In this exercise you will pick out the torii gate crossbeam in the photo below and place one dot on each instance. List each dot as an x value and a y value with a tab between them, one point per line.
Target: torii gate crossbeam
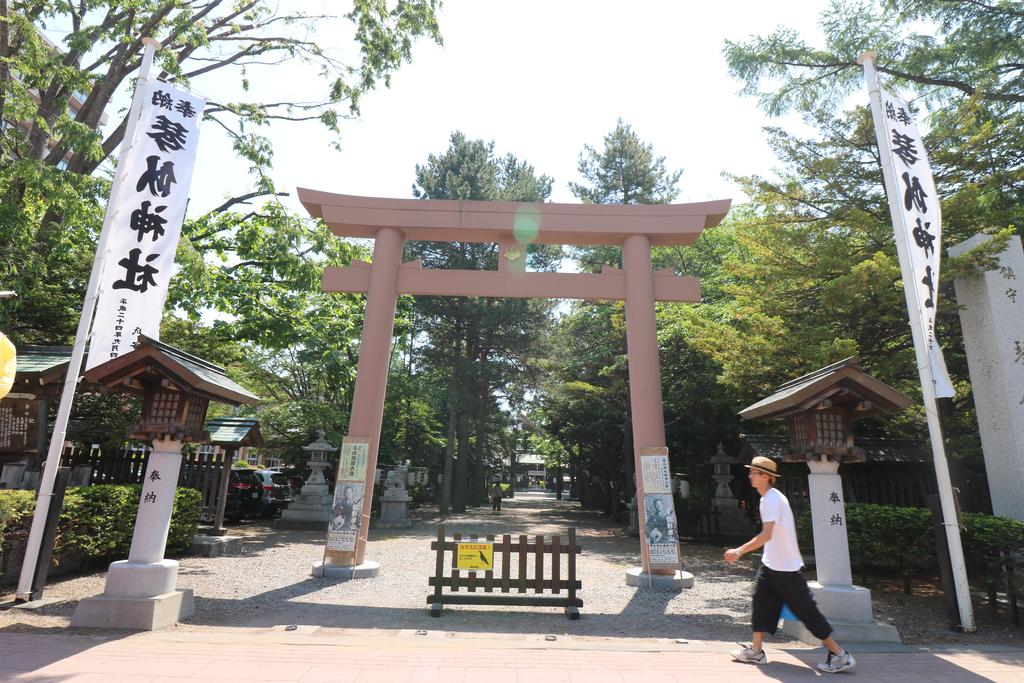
392	221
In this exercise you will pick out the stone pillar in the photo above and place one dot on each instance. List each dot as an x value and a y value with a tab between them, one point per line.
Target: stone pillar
828	519
140	591
847	607
992	318
372	381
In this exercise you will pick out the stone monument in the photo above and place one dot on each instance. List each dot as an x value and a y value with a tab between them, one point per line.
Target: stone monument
311	508
731	519
394	503
992	319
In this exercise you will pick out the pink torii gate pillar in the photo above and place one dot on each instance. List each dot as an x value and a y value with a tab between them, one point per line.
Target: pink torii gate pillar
511	225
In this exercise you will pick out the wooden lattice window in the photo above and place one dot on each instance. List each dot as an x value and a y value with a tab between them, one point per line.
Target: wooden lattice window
164	407
196	412
830	428
799	433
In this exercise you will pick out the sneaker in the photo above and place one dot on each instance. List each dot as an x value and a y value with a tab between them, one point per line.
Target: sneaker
747	655
834	664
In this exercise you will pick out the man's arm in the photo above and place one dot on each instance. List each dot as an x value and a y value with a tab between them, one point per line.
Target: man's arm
733	554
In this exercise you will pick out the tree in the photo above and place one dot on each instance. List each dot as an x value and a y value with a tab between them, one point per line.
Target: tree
625	172
250	260
591	382
52	202
822	280
482	343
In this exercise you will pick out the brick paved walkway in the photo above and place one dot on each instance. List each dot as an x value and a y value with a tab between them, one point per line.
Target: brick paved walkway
310	653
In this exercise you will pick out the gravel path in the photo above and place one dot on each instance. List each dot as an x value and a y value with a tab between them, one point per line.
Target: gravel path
268	584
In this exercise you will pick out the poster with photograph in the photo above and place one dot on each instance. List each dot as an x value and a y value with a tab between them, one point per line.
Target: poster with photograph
654	471
660	529
345	516
355	451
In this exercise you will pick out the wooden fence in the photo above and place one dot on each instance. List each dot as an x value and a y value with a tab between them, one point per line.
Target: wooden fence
201	470
516	559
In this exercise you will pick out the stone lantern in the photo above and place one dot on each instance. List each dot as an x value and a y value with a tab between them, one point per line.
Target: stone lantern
312	506
176	389
731	520
819	408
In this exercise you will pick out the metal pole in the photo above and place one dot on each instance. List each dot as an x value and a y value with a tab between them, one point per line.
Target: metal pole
35	537
956	552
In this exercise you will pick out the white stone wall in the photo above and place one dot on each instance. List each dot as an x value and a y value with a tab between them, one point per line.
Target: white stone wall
992	317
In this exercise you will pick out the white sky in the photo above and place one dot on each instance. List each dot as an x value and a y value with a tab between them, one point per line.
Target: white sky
541	79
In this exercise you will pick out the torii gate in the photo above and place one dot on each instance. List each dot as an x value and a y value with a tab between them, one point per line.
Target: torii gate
392	221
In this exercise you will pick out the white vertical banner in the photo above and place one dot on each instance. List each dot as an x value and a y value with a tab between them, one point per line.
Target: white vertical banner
149	209
919	223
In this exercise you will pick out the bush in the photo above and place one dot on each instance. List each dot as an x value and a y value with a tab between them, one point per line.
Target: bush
15	517
96	522
902	541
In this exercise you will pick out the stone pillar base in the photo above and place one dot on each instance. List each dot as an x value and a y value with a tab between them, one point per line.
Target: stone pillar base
659	582
127	579
308	520
846	633
848	610
215	546
143	614
367	570
384	524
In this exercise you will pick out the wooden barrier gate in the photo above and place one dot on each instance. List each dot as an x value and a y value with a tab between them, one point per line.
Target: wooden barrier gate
480	590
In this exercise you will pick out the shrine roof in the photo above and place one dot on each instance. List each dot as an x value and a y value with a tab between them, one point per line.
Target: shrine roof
43	360
843	381
198	374
546	223
234	431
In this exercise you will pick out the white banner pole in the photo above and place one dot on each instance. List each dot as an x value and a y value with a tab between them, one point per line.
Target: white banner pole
53	454
952	527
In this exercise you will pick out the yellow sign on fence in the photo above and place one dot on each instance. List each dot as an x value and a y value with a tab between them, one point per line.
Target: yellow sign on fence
475	556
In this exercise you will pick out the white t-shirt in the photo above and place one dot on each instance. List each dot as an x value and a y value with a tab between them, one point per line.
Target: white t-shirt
781	553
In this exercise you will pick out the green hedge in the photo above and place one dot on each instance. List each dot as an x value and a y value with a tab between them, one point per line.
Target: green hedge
902	541
97	522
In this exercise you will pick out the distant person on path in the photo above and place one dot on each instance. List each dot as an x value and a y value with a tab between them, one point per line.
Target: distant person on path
496	494
779	580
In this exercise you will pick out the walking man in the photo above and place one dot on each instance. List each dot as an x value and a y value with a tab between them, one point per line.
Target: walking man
496	494
779	580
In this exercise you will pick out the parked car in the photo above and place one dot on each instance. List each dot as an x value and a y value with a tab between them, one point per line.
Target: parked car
276	492
245	493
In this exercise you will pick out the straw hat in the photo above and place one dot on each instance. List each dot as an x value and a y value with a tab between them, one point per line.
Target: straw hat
763	464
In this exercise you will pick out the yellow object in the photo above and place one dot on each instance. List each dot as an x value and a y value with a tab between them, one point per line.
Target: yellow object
8	364
475	556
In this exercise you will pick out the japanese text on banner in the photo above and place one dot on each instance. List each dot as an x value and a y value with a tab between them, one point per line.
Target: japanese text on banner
153	182
919	223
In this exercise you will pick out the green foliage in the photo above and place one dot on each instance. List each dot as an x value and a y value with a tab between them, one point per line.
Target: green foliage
15	516
902	541
815	276
625	171
458	350
240	464
993	546
97	522
52	204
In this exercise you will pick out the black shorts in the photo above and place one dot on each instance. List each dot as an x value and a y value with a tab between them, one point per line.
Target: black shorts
772	589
